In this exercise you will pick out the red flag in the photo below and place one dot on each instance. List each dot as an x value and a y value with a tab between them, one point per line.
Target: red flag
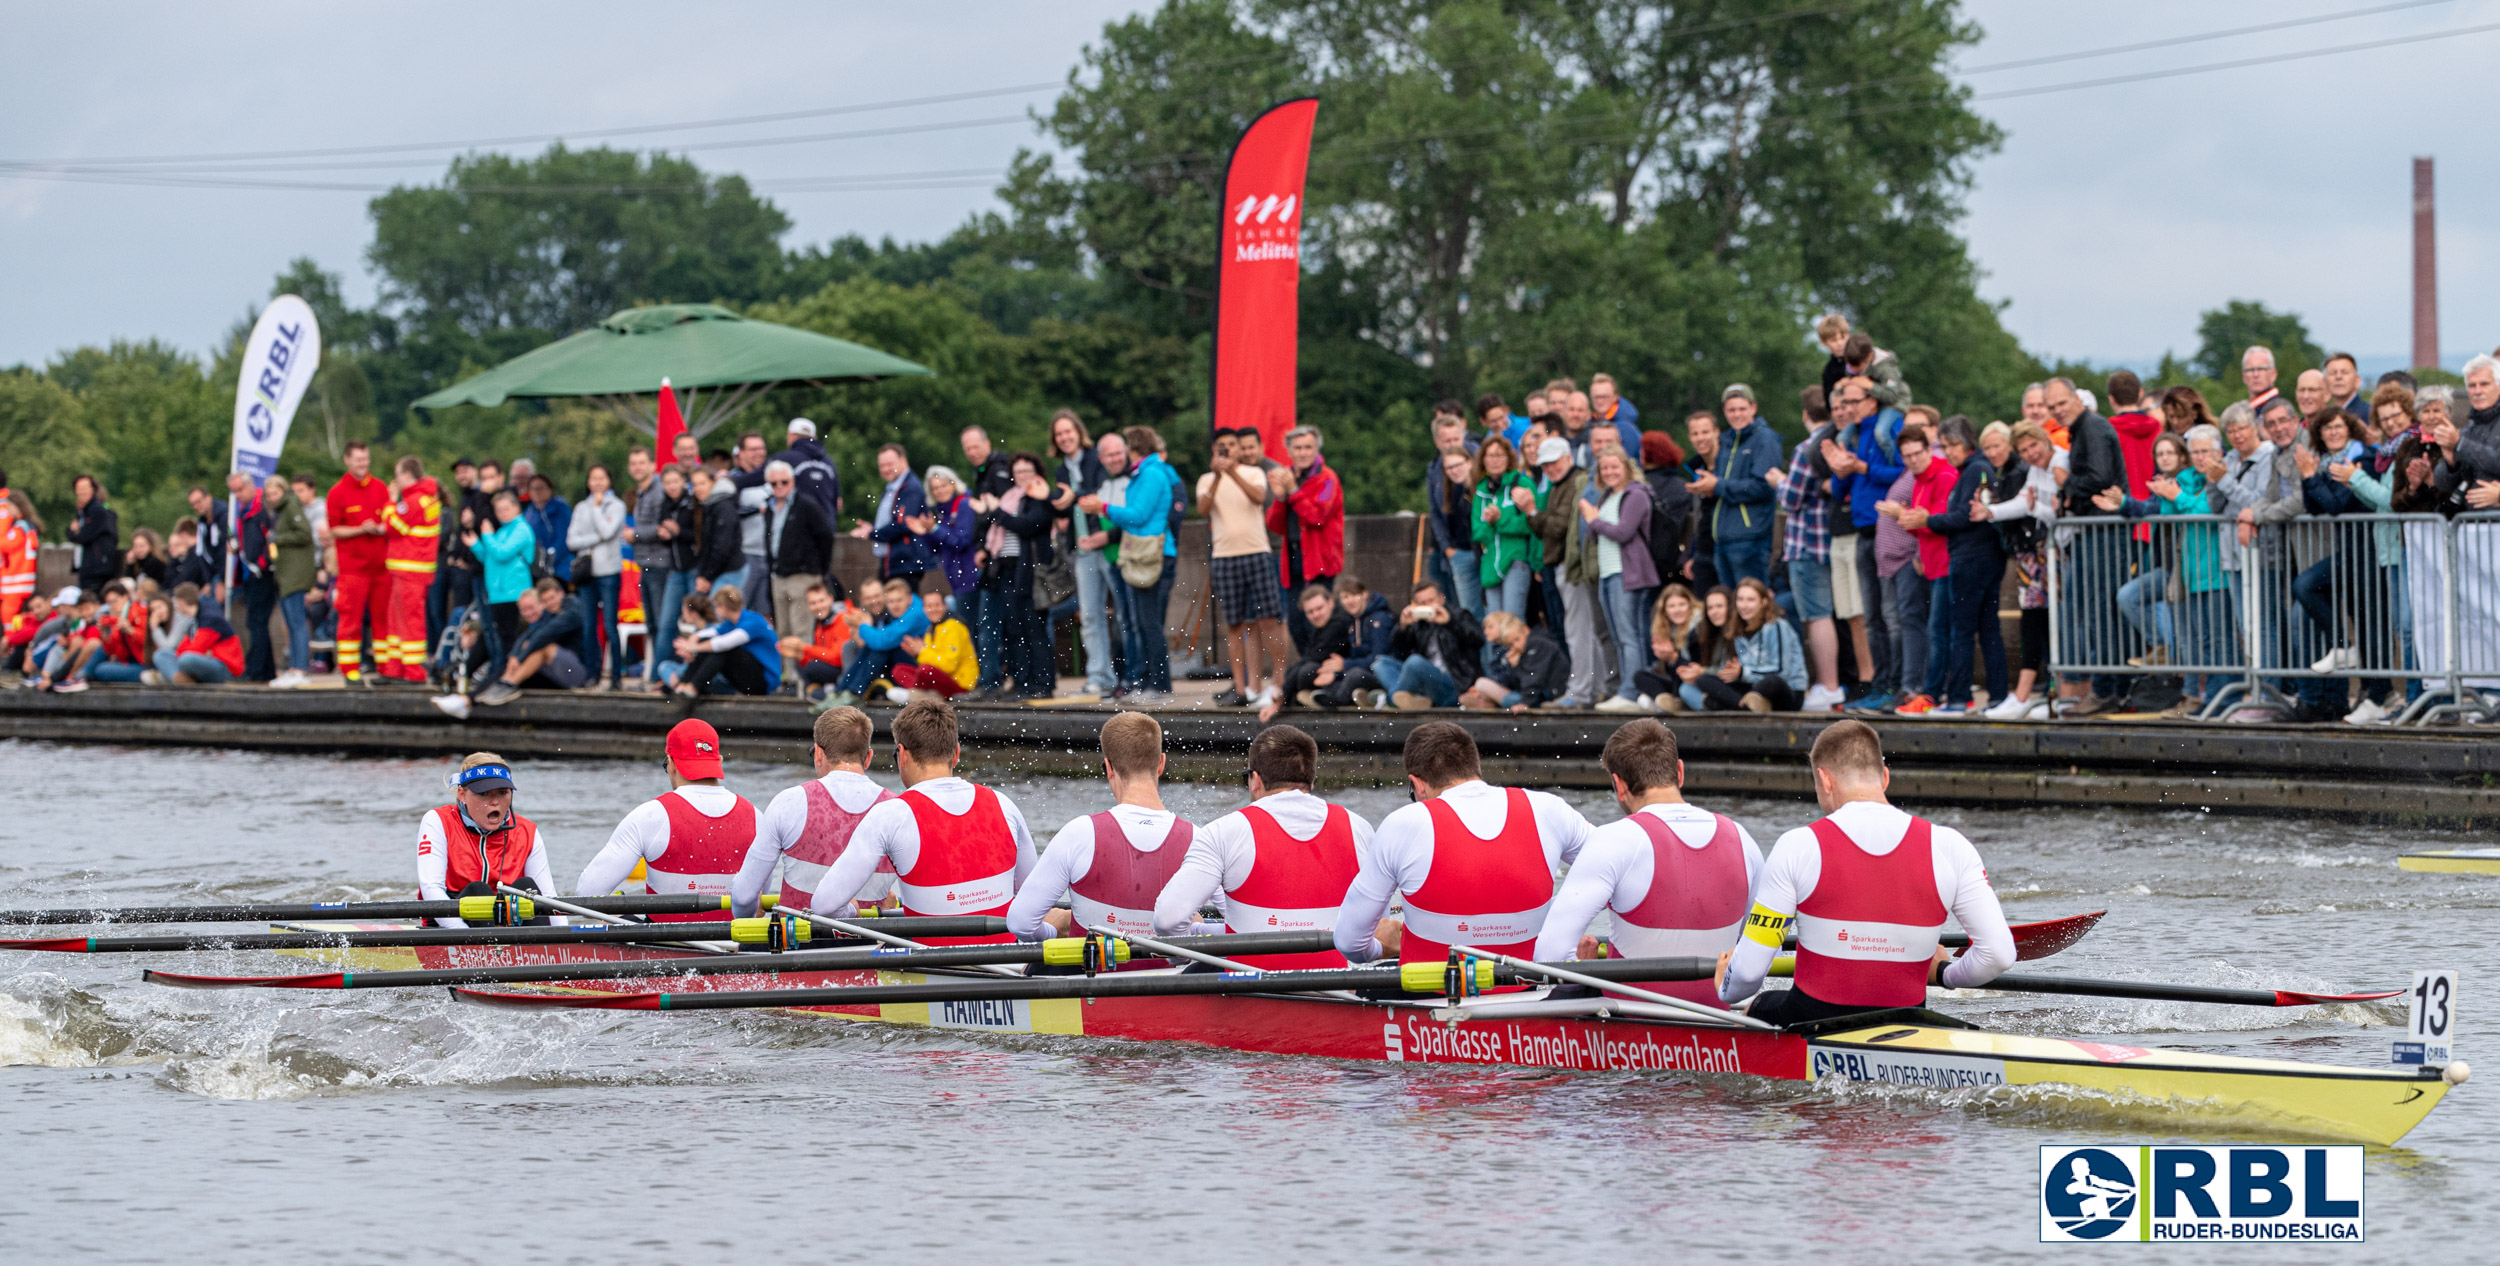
672	425
1259	275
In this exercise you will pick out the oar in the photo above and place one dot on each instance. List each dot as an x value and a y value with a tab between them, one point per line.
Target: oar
1170	950
2031	940
1065	951
2149	991
1414	978
467	908
755	931
1672	1003
871	934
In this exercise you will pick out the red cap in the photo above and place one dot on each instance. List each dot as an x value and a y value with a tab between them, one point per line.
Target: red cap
694	748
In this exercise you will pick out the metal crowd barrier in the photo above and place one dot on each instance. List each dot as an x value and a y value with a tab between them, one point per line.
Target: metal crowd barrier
2407	604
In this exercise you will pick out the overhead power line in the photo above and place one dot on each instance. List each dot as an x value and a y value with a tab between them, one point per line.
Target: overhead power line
2114	50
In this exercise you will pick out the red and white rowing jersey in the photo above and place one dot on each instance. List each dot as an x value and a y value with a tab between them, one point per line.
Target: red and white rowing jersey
1870	889
1111	865
806	829
1677	879
1280	865
692	839
1477	866
956	848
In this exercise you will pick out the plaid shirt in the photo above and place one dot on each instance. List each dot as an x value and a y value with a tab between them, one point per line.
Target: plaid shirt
1807	501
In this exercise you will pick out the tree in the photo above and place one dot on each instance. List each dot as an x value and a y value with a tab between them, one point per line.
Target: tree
160	421
44	444
2224	334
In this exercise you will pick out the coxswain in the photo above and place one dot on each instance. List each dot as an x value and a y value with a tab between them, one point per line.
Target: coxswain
1869	888
1677	877
808	827
1111	865
361	595
958	848
691	838
1281	863
468	847
1475	862
412	524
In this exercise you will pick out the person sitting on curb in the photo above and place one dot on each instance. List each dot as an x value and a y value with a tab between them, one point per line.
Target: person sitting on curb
211	655
736	651
1524	669
881	646
1432	645
543	658
943	663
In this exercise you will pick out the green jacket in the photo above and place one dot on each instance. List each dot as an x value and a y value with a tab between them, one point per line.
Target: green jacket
1510	537
297	554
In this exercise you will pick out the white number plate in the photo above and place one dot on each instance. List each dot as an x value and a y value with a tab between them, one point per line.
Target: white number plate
2431	1020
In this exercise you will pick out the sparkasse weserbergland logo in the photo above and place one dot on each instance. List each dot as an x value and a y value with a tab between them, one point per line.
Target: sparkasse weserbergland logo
2245	1194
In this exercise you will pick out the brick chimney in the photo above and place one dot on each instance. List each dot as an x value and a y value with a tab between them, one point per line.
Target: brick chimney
2425	269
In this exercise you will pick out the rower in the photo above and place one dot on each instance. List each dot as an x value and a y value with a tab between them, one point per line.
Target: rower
1475	862
1281	863
1676	877
812	824
1110	864
468	847
958	848
690	838
1869	887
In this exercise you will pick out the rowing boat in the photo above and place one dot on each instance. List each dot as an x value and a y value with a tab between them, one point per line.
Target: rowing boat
1913	1048
2453	861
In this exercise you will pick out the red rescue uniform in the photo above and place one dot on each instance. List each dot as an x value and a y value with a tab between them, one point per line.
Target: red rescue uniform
413	528
362	594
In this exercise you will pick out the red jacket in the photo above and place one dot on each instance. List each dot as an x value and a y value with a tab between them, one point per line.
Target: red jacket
352	504
1318	503
1933	492
219	644
125	640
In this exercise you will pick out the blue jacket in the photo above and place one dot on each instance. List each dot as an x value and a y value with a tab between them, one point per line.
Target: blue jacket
1627	424
549	525
1745	496
905	554
507	551
760	643
1879	446
1373	630
1773	651
957	535
1148	508
562	626
889	635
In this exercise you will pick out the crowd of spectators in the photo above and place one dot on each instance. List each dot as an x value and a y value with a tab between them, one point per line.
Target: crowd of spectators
1570	557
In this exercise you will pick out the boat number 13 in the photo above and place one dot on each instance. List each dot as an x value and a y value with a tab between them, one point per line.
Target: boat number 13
2432	1004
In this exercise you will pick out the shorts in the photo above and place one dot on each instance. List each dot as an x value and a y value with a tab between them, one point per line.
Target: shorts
564	670
1245	587
1810	588
1848	596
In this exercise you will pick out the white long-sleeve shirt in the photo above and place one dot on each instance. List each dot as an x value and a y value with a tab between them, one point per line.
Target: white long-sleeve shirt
643	837
1401	853
1796	865
433	863
1616	868
1070	855
891	833
1223	853
782	822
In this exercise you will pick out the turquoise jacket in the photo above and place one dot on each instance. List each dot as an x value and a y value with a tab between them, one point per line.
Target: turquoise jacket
507	551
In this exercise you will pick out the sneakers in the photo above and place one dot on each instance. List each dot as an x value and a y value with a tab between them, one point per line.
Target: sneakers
2040	710
1230	697
1755	701
1915	706
1376	700
1666	703
1409	701
1949	710
70	687
291	679
151	677
1882	701
2371	712
2157	657
2186	709
2092	706
455	706
897	695
1306	698
1617	703
2008	708
1818	699
2341	659
497	695
1474	701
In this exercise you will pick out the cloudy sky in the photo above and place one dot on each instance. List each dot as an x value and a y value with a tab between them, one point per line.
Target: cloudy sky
2110	218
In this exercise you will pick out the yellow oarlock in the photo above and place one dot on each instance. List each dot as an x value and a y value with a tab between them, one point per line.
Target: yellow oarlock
1435	977
775	934
497	910
1069	951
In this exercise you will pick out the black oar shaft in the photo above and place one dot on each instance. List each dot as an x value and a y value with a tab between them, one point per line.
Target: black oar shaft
643	933
881	959
1035	988
282	912
2148	991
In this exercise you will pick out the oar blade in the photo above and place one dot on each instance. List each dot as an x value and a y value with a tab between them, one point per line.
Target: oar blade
543	1001
185	980
2296	998
49	944
2048	936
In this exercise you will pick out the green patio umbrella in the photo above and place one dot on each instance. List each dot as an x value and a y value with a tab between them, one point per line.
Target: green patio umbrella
717	361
